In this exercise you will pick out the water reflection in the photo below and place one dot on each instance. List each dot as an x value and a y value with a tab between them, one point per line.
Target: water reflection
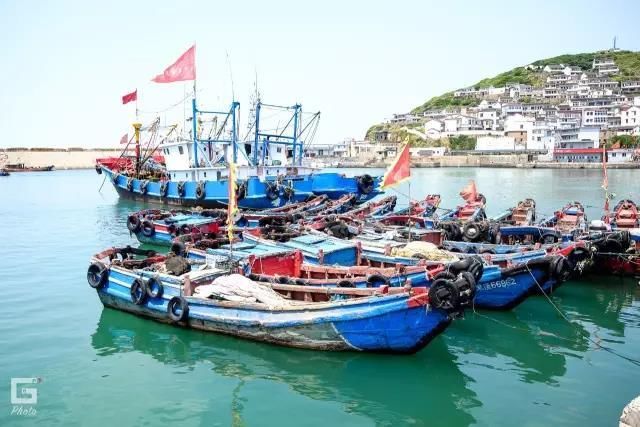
494	334
388	390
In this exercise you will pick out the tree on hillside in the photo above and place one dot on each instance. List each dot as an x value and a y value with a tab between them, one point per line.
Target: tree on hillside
462	142
625	141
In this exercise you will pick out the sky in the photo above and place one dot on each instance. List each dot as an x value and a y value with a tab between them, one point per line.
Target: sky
66	64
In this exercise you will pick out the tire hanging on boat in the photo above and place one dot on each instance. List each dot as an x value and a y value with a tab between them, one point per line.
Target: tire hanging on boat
133	223
164	188
365	183
130	184
548	238
346	284
471	231
271	190
377	280
200	190
138	292
154	288
148	229
175	304
97	275
444	295
181	188
114	178
241	190
143	186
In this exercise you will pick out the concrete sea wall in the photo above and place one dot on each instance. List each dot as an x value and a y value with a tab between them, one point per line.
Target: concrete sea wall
61	158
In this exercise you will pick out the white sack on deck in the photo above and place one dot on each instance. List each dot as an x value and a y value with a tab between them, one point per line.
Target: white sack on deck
236	287
426	249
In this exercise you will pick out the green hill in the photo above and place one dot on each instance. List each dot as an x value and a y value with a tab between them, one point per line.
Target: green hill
627	61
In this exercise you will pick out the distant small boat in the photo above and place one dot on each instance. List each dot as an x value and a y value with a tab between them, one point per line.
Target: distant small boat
21	167
4	172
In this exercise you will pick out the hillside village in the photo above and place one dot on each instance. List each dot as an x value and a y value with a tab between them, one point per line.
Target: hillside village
560	111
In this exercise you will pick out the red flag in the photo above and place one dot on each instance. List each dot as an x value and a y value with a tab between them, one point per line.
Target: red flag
124	139
183	69
133	96
399	170
469	193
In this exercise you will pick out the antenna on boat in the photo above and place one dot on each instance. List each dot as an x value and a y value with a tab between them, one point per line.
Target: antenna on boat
233	95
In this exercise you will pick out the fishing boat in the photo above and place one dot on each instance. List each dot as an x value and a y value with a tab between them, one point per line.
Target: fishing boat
616	252
4	172
21	167
426	207
267	171
395	320
317	248
523	214
569	221
162	227
625	215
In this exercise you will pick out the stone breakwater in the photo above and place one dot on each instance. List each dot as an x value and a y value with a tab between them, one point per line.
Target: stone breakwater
61	158
479	161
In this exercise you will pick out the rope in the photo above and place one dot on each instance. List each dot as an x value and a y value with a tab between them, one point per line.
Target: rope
591	340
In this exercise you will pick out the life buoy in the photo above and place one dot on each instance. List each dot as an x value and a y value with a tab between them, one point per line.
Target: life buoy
200	190
181	188
177	309
365	183
148	229
143	186
377	280
154	288
138	292
271	190
130	184
97	275
133	223
164	188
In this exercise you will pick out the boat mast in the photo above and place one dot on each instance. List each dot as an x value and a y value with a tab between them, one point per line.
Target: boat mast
136	131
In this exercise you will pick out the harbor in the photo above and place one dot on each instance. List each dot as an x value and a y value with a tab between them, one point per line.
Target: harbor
353	214
550	363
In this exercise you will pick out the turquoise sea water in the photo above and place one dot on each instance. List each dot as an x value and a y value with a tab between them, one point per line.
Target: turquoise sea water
525	367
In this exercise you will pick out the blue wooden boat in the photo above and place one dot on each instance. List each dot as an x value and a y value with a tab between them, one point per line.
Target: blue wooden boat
269	173
317	248
395	320
4	172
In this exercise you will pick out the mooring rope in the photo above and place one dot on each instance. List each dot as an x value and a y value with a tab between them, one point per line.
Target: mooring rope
588	337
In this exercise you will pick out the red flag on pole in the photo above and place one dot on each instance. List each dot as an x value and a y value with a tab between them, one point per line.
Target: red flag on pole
183	69
399	170
133	96
469	193
124	139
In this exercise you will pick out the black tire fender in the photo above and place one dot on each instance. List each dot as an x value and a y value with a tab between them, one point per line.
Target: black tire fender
377	280
148	229
133	223
178	309
154	288
97	275
138	292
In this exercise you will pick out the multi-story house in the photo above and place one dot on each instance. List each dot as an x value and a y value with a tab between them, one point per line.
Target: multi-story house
605	66
630	115
630	86
595	116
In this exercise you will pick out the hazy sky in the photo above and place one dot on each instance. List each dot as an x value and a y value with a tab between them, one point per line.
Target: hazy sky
65	64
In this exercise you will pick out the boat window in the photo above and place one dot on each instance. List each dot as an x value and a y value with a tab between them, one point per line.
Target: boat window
180	150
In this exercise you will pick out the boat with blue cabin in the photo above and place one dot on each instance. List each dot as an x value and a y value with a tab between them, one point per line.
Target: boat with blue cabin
270	170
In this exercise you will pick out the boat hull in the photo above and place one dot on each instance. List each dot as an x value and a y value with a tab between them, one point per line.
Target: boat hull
257	195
